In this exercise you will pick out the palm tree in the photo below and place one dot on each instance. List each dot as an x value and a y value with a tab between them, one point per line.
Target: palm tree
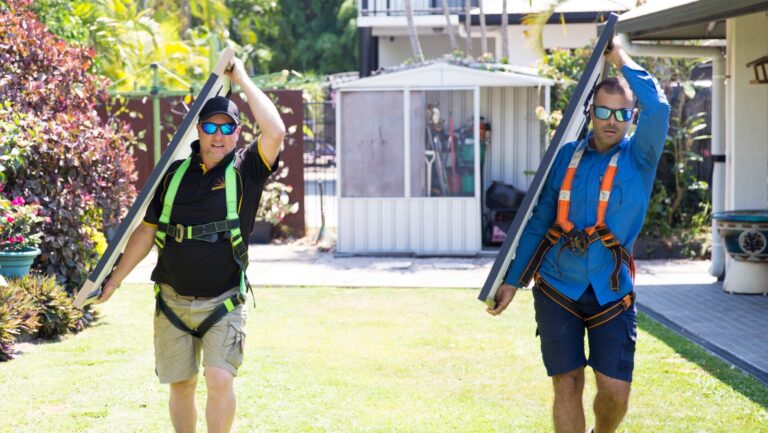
504	30
537	21
468	25
415	45
454	44
483	36
185	20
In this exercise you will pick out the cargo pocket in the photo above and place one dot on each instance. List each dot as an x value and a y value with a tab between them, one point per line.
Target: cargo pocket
234	344
627	362
164	340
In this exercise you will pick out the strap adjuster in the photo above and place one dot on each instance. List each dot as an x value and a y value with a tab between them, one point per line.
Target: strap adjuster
179	235
610	241
627	300
578	241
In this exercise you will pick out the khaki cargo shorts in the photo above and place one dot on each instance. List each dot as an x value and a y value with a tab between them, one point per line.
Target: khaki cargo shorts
177	354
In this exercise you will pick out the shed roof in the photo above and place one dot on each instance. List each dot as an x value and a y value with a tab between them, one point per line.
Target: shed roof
441	74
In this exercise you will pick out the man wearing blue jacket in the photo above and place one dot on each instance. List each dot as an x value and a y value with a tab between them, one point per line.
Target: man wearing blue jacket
577	247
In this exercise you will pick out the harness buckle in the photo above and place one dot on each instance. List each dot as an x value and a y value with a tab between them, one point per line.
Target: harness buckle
179	235
578	242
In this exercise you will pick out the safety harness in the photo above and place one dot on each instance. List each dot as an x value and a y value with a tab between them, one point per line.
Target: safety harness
578	241
572	307
208	233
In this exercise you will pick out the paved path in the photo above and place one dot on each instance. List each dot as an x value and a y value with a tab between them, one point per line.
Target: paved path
680	293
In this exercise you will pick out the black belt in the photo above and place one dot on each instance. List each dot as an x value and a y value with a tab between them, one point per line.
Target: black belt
200	232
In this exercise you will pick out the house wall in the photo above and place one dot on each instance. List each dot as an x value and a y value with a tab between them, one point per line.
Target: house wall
747	111
394	50
395	46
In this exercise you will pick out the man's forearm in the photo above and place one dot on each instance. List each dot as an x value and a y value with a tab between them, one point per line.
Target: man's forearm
264	111
139	245
653	120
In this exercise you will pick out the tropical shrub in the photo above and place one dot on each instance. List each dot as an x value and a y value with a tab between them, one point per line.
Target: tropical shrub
275	203
69	160
55	313
18	314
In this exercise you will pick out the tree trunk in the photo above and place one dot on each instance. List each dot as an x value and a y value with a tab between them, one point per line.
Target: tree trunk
504	30
415	45
483	36
451	35
468	25
185	21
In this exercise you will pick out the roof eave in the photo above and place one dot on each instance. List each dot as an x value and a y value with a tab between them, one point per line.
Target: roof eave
654	25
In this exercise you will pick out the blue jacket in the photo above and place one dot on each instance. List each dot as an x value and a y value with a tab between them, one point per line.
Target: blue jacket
570	273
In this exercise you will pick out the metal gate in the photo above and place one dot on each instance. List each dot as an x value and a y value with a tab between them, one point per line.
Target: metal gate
320	205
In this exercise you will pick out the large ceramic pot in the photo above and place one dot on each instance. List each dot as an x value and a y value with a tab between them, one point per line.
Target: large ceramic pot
17	263
745	236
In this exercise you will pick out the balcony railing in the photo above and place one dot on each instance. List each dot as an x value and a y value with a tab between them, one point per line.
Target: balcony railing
372	8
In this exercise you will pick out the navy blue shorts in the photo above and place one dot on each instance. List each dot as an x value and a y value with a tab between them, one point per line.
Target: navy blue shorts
611	345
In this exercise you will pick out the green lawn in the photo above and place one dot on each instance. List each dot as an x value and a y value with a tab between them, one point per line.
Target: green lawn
365	360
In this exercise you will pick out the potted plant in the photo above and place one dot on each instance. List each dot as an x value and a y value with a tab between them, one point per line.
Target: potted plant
19	236
275	205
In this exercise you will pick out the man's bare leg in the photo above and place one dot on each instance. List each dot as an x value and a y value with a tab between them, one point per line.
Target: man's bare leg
611	403
181	405
568	409
220	408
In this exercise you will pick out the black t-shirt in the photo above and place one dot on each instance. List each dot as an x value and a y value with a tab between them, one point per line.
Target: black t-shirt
200	268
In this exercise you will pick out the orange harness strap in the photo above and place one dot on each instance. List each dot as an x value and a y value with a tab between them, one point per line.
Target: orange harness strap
580	240
594	320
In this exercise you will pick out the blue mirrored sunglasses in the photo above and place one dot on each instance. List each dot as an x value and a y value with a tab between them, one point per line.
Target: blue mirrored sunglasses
226	128
621	114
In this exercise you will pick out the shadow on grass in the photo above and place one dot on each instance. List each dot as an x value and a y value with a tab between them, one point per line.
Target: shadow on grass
741	382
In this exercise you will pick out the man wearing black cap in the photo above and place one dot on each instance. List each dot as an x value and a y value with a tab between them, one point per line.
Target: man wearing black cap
199	274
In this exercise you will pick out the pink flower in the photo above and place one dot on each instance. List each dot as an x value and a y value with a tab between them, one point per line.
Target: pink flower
18	201
9	219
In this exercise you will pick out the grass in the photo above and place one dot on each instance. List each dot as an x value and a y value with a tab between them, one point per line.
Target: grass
372	360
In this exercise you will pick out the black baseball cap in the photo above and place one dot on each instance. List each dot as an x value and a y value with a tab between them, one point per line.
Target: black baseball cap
220	105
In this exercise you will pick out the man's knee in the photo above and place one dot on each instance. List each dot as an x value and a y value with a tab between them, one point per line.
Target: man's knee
615	398
572	381
218	380
184	387
613	392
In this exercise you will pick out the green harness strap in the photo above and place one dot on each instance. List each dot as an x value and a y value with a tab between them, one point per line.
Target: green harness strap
170	195
230	225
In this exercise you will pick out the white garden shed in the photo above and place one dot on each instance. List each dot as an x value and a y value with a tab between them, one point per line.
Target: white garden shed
418	147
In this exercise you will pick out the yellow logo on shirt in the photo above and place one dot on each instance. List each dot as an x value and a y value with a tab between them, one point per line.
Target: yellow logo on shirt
218	184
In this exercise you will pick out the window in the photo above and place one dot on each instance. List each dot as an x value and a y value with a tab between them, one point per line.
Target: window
372	163
442	144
